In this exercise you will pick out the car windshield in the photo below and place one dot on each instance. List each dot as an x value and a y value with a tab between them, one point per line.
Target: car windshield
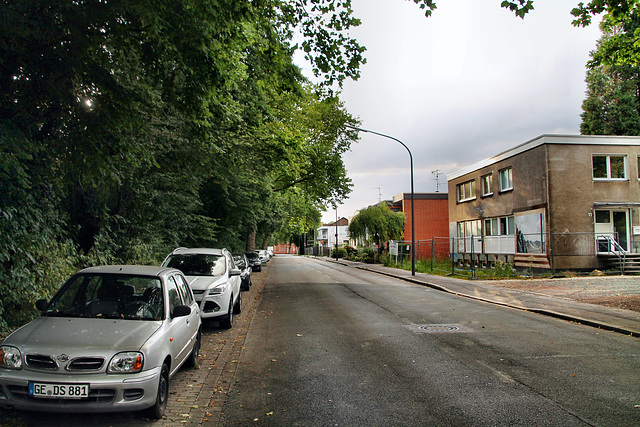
198	264
251	255
109	296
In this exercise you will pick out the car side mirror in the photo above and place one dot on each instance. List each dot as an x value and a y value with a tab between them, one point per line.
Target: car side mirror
235	272
41	304
181	311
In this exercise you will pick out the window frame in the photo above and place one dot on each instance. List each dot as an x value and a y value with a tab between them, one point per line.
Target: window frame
501	173
483	183
500	226
172	284
609	169
462	196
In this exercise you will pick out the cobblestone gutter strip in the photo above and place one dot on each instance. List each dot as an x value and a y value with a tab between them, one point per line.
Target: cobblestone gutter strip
219	361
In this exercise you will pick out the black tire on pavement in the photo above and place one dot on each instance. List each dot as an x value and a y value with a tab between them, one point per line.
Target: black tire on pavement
192	360
227	321
157	410
237	309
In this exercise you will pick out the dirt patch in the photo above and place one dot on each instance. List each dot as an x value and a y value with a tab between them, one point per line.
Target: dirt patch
630	302
616	292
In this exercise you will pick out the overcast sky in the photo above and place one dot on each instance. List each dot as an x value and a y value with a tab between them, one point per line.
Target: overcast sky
466	83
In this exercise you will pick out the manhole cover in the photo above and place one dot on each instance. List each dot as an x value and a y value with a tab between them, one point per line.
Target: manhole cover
425	329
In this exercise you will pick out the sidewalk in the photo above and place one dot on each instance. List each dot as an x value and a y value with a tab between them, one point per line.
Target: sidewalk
560	300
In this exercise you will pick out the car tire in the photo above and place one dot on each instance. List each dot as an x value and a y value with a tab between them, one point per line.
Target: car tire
157	410
192	360
227	321
237	309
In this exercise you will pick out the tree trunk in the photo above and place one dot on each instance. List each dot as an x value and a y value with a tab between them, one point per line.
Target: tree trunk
251	241
265	242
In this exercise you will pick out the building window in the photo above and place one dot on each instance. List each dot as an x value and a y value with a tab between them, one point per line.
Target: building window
499	226
506	179
638	167
609	167
487	185
507	227
466	191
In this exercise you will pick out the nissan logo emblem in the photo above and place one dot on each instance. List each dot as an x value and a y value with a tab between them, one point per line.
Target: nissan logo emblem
63	358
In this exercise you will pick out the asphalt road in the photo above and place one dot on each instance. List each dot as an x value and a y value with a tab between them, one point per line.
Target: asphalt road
337	346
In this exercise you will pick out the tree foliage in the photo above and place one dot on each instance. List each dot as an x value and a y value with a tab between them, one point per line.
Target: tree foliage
129	128
612	104
377	224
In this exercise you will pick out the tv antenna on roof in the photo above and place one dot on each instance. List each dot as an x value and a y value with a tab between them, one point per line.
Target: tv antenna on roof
436	175
379	195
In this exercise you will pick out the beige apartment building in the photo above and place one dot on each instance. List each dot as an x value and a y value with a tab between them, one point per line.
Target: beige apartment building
561	202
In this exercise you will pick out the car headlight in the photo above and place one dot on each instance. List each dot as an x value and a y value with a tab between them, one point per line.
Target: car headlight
10	357
126	363
217	290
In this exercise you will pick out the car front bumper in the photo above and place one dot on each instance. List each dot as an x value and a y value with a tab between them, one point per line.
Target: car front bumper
107	392
213	305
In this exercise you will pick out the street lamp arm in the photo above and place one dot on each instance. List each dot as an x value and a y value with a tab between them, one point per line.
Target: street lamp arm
413	227
382	134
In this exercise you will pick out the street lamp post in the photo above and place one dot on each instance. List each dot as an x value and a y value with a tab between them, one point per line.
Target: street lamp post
336	234
413	228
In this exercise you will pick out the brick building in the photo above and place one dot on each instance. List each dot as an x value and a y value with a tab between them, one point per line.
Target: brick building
432	222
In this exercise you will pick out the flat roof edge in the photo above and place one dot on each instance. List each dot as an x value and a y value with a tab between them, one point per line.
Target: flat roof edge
547	139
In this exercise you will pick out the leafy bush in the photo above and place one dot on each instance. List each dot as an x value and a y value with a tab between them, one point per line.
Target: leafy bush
33	265
367	255
342	253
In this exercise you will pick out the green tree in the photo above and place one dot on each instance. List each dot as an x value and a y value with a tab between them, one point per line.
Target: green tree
377	224
117	117
612	105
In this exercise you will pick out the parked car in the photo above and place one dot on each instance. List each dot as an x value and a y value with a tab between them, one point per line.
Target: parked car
270	251
214	280
245	271
254	261
109	340
264	256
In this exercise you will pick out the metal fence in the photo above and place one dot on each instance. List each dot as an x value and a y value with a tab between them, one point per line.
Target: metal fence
580	251
544	251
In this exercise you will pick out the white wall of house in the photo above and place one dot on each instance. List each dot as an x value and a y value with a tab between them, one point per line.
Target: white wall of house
326	235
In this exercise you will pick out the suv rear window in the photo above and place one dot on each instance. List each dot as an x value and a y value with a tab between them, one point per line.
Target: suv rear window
198	264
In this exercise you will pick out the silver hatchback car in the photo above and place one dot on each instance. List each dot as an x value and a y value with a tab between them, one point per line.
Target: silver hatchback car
109	340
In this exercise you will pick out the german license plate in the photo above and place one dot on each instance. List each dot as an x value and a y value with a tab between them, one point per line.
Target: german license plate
59	391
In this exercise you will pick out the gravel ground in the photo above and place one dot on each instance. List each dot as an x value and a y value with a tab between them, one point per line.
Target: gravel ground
611	291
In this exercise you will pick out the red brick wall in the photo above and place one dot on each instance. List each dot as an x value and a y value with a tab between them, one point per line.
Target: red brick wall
432	220
284	248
